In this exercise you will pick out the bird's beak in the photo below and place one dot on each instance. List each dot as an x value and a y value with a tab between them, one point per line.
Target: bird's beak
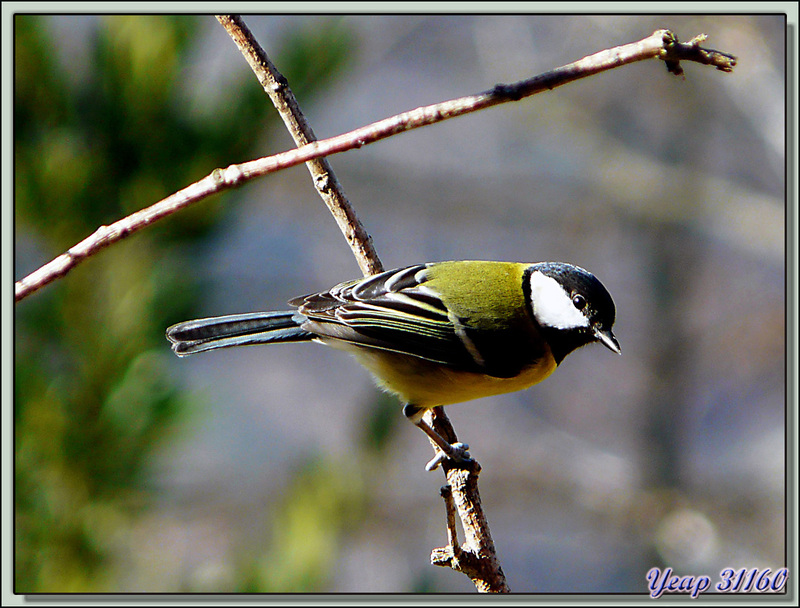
607	339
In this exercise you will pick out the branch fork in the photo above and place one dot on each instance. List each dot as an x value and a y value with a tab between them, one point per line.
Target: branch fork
477	557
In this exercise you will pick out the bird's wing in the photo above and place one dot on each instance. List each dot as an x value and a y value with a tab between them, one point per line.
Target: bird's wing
394	311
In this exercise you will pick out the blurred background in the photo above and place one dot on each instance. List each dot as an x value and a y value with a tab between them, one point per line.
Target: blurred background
283	469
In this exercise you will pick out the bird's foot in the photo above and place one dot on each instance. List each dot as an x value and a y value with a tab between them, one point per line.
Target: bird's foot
457	452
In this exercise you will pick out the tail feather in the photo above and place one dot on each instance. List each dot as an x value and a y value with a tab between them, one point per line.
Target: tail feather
236	330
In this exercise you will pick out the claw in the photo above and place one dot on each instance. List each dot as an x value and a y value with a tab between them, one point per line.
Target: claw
458	453
436	461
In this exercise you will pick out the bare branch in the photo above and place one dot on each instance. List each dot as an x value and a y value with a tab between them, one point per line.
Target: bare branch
104	236
322	174
692	51
661	44
446	493
477	557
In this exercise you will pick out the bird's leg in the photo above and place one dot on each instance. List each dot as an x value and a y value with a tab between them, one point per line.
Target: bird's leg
454	451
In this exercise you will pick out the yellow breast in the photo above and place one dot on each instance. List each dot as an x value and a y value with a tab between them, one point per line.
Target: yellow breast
426	384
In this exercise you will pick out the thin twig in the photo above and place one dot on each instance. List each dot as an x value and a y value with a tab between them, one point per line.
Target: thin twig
477	557
104	236
661	44
692	51
446	492
328	187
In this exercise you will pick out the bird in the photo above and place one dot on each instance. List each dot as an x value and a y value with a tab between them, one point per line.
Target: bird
437	333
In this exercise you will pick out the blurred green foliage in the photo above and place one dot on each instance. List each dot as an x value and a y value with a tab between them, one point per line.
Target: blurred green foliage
92	398
321	502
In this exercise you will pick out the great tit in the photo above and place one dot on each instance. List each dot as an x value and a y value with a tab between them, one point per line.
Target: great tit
437	333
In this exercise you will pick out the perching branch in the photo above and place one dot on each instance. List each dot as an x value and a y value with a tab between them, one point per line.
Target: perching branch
478	559
322	174
662	45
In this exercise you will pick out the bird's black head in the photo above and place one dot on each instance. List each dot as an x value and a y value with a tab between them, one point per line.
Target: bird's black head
571	306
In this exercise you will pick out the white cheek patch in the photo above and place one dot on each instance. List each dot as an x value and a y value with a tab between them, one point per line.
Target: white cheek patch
552	306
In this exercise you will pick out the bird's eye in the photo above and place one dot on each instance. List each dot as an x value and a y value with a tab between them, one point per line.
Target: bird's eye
579	301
